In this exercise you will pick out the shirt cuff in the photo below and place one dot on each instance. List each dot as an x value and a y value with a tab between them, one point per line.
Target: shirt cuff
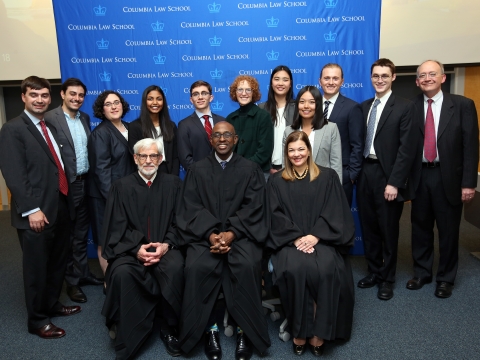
25	214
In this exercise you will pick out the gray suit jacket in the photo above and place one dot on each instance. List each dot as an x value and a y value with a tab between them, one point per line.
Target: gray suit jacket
327	147
56	117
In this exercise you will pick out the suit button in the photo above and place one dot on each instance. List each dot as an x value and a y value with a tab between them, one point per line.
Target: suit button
56	173
74	159
56	190
242	141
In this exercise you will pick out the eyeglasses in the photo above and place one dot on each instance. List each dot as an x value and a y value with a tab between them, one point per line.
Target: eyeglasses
247	91
197	94
153	157
109	104
383	77
430	75
226	135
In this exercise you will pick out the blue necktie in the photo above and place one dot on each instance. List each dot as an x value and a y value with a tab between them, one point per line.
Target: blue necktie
223	164
371	128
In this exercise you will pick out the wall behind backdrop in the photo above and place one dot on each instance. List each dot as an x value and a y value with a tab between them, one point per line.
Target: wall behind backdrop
116	45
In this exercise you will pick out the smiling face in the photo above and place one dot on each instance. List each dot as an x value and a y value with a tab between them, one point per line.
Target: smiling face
281	83
154	102
331	81
298	154
430	78
244	93
148	167
382	79
201	98
112	108
223	139
36	101
306	106
73	99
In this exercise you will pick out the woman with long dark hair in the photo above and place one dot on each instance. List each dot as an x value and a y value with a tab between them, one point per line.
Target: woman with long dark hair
280	105
155	122
323	135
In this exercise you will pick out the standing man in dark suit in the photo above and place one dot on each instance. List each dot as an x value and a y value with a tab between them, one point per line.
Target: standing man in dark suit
73	129
347	114
31	162
385	181
447	165
195	130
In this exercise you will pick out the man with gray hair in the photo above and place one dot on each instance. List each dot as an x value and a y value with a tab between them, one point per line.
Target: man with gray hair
145	269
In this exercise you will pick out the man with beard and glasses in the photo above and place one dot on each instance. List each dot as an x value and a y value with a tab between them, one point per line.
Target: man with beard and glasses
144	276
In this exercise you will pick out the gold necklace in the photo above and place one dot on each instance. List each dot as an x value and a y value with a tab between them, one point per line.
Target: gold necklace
300	177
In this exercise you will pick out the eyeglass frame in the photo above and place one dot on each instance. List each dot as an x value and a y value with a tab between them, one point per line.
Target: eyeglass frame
109	104
144	157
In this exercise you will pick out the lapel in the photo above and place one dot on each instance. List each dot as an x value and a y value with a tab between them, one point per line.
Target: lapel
36	134
421	113
387	109
446	114
117	133
337	108
318	136
290	112
198	125
366	108
60	115
85	123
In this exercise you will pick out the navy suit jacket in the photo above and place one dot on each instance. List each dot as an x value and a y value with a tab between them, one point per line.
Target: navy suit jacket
347	114
56	117
193	142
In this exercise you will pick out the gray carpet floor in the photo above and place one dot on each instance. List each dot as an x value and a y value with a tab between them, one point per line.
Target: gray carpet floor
413	325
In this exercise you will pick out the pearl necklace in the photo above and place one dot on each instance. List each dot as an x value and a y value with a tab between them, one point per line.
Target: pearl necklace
300	177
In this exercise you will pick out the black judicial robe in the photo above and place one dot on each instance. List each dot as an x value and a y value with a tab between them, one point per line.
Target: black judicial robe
298	208
217	200
132	212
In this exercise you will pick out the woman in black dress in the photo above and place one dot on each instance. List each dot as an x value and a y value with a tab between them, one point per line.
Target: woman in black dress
154	122
311	231
109	157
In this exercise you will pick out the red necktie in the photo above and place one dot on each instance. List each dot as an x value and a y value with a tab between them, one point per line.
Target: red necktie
208	126
429	145
149	183
62	179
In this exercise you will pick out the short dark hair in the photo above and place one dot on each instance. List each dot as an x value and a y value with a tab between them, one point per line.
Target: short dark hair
73	82
318	120
331	65
200	83
100	100
35	83
385	63
256	95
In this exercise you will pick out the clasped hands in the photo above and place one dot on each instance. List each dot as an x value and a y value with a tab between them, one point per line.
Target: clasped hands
221	242
306	243
151	258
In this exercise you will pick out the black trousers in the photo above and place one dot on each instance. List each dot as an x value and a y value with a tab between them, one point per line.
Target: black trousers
77	263
429	206
380	222
44	262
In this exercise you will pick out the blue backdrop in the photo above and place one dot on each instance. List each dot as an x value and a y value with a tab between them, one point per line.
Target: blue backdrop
116	45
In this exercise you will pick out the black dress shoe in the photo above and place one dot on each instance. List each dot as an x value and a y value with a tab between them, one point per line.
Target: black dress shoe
91	280
67	311
213	351
299	349
171	343
316	350
48	331
385	291
417	283
368	281
243	350
443	290
76	294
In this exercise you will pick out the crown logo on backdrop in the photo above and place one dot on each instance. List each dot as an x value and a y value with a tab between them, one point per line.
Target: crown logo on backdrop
215	41
330	37
330	3
100	10
159	59
214	8
272	22
273	55
216	106
105	76
103	44
165	90
157	26
216	74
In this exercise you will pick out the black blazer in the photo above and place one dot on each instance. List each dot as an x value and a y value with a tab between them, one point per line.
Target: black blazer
110	159
171	160
347	114
289	111
56	117
395	143
30	171
193	142
457	144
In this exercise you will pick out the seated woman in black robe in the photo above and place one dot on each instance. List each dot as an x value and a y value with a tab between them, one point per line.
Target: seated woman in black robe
311	231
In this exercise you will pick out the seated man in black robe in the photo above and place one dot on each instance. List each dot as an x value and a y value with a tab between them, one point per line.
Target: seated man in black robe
221	219
145	270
